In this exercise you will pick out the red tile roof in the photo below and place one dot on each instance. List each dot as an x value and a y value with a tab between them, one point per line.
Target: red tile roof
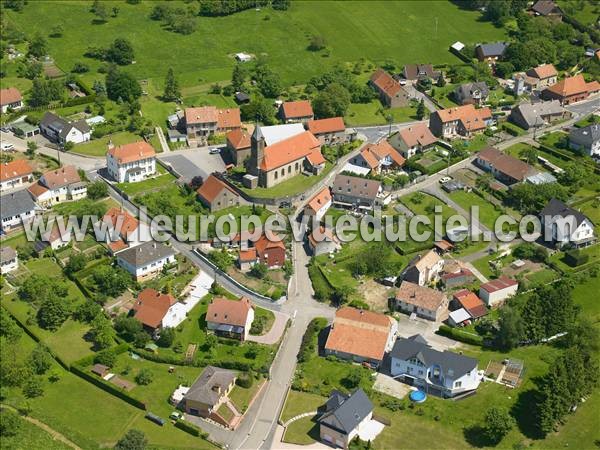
263	244
229	312
10	95
151	307
228	118
385	83
238	139
36	189
14	169
471	117
320	199
116	216
247	255
132	152
324	235
61	177
544	71
418	134
570	86
212	187
296	110
202	114
322	126
373	153
290	150
499	284
420	296
471	303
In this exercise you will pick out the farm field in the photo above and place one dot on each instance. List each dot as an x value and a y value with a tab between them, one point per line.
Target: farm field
206	55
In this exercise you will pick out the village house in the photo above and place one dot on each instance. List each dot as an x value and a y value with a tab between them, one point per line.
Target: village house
124	230
345	417
53	239
238	146
15	174
503	167
446	374
322	241
62	131
10	98
414	139
428	303
379	158
535	115
391	93
247	258
495	292
523	83
462	121
294	112
270	252
230	318
476	93
16	208
151	307
330	131
355	192
131	163
204	121
586	139
461	277
210	390
570	90
9	260
565	226
469	302
413	72
548	9
216	194
491	53
146	260
318	205
290	154
424	269
57	186
361	336
544	76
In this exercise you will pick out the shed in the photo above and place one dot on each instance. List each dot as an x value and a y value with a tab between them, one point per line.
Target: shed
100	369
458	317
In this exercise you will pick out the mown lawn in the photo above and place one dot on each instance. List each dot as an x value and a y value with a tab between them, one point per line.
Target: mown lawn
99	147
31	436
487	212
241	396
373	113
151	184
303	431
387	30
299	403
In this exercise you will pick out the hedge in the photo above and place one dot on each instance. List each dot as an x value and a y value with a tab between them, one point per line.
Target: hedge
458	335
111	389
511	129
310	335
189	428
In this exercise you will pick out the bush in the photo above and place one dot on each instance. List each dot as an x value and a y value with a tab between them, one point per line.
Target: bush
310	338
575	258
144	377
245	380
459	335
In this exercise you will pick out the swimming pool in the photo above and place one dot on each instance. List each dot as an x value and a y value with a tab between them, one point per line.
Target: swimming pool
418	396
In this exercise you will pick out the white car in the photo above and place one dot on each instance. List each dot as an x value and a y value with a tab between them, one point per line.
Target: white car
445	180
214	151
7	147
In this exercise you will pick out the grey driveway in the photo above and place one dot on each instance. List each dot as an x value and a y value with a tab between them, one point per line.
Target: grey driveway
193	162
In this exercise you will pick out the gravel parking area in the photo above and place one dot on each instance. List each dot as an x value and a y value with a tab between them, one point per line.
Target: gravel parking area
193	162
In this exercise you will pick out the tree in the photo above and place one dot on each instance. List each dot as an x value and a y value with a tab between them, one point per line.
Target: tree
497	423
9	328
259	109
79	67
37	287
510	330
39	360
221	259
99	11
38	46
238	76
45	91
133	440
31	148
267	81
144	377
172	92
259	270
122	86
167	336
115	11
530	154
317	43
87	311
441	81
120	52
97	190
421	110
10	423
111	280
128	327
102	332
53	312
75	263
333	101
33	387
57	30
107	357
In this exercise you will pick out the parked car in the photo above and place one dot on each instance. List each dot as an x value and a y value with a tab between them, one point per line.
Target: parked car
214	151
285	204
7	147
445	179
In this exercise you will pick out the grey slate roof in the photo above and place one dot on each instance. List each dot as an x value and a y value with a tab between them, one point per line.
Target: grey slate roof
557	208
7	254
206	387
493	49
348	410
15	203
81	125
532	112
465	91
585	136
451	364
145	253
51	120
356	187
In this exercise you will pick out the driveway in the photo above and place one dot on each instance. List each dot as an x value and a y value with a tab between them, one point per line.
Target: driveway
276	331
426	328
388	385
193	162
370	430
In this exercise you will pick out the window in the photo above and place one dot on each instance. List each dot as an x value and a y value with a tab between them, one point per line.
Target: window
289	169
297	166
282	172
458	384
276	174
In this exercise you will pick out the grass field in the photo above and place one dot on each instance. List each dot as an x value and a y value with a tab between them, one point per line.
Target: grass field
31	436
487	213
373	113
151	184
98	147
387	31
